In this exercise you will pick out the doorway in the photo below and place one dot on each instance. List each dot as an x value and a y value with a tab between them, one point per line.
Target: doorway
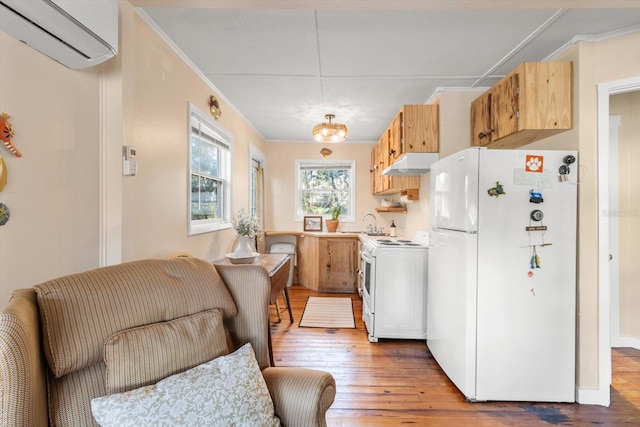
606	131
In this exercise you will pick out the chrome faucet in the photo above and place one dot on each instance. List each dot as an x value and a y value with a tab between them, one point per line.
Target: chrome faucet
370	228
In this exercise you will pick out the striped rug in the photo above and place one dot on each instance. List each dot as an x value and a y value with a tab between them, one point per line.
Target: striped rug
328	312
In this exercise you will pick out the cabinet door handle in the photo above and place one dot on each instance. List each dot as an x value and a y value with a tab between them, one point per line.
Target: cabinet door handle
482	135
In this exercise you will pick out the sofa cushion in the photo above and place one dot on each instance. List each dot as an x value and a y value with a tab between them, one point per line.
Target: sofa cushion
146	354
80	311
229	390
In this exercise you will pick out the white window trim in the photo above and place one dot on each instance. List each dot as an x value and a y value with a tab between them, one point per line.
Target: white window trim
352	200
195	227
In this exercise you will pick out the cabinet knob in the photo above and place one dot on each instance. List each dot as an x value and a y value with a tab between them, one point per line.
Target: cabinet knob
392	152
483	135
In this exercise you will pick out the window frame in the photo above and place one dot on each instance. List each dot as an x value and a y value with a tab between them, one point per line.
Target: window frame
323	163
224	140
255	156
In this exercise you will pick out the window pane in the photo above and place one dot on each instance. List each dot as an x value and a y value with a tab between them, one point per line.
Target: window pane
195	153
204	198
209	159
322	187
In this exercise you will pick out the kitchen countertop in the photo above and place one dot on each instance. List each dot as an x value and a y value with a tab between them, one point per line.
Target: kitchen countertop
325	234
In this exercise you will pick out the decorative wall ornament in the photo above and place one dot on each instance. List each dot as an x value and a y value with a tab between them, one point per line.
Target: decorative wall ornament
4	214
6	134
214	107
3	174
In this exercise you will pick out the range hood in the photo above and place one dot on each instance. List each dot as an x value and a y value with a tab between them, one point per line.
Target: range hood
412	164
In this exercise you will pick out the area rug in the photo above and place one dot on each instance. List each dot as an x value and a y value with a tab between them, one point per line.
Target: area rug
328	312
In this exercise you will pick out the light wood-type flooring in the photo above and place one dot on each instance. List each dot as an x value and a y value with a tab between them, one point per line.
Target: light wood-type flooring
397	382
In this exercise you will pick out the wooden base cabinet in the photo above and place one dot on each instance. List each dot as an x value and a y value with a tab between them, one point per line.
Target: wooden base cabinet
532	102
328	264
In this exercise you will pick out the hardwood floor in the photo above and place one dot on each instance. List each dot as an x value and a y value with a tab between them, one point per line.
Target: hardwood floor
397	382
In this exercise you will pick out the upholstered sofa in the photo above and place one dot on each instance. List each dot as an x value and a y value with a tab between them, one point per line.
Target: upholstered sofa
120	329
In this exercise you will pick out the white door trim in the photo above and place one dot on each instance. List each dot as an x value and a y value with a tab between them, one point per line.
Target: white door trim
604	287
614	233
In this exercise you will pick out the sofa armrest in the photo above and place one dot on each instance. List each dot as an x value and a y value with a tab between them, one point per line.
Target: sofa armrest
23	398
301	396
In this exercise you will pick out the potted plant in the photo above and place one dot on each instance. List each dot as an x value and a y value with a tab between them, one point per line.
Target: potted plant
246	227
332	224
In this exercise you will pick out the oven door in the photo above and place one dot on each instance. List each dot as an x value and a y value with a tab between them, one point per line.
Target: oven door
368	279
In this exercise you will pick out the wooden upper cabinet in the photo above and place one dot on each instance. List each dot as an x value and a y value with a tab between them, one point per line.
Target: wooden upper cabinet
395	137
374	170
504	107
481	127
532	102
381	159
414	129
420	129
385	160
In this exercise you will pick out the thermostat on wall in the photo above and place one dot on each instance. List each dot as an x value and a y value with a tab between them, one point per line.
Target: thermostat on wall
129	163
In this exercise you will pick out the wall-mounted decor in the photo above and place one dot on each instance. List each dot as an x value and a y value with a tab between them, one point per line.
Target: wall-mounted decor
4	214
6	134
214	107
312	223
3	174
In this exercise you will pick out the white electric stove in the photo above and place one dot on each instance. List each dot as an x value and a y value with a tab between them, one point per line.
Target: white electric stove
394	287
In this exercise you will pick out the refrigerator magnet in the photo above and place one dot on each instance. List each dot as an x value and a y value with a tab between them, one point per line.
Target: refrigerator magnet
497	190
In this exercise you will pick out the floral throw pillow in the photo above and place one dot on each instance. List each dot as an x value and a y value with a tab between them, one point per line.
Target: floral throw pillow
226	391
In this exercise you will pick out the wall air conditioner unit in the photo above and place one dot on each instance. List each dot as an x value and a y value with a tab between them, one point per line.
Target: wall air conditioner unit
75	33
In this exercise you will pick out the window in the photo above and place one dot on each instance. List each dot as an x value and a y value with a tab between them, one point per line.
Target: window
256	182
322	183
253	187
209	174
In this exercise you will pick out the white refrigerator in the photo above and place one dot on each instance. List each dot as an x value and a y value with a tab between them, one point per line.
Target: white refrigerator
501	291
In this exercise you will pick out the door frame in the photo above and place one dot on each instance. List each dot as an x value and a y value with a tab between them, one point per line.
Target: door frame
605	90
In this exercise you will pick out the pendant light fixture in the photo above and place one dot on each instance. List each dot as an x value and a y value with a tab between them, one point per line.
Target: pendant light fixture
330	132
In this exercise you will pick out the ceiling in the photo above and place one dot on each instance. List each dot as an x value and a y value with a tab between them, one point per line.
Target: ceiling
285	65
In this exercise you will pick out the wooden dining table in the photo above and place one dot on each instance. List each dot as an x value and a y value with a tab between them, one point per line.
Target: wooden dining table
277	265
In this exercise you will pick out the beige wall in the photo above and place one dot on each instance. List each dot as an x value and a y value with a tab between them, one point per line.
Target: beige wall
627	213
594	63
280	182
68	213
52	190
155	215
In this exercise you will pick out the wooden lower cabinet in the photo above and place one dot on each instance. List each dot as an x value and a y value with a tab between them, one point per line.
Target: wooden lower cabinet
328	264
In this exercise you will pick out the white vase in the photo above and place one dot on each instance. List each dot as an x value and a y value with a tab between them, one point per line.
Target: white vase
244	249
